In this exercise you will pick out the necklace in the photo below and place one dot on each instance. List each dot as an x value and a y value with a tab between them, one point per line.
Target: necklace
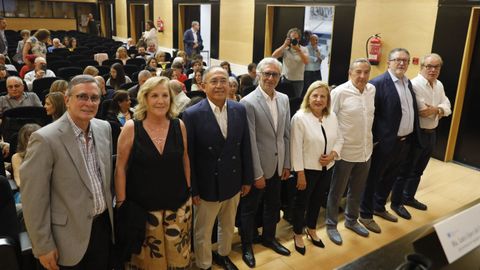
157	140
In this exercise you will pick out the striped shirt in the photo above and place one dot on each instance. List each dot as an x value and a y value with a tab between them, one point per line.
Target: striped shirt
89	154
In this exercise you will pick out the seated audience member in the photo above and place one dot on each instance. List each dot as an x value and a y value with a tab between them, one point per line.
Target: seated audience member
197	81
143	76
72	44
117	76
181	100
198	57
245	82
120	110
55	45
106	93
3	72
233	89
25	34
55	105
8	215
196	66
17	158
226	65
28	66
142	53
65	41
130	43
179	60
161	59
184	56
153	71
252	72
91	70
152	63
122	55
59	86
9	67
169	73
151	48
40	71
178	70
37	44
16	96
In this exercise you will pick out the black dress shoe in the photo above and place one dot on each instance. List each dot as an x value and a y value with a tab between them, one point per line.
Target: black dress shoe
416	204
277	247
401	211
247	255
223	261
317	243
300	250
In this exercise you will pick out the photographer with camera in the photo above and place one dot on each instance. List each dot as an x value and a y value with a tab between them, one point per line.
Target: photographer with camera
295	57
40	71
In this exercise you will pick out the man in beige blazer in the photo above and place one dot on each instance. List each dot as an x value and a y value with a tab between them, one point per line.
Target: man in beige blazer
66	174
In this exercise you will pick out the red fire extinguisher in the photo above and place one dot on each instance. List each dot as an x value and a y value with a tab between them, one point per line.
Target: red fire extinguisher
160	25
374	49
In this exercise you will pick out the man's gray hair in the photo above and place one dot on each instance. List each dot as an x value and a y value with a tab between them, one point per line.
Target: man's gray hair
18	79
144	74
397	50
79	79
269	61
211	70
358	61
175	86
195	23
433	55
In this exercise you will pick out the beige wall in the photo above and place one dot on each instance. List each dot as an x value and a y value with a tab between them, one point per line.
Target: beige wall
34	23
236	31
164	10
407	23
121	18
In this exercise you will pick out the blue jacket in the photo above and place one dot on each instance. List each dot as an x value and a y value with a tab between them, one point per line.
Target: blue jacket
188	42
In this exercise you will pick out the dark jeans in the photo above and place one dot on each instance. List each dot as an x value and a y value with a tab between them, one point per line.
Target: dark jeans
99	250
271	210
318	184
309	77
387	162
407	183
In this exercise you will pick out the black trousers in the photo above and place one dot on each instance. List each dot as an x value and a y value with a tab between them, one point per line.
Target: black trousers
271	210
387	162
99	250
310	199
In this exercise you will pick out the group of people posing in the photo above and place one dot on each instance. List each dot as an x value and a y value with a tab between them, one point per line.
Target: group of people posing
224	162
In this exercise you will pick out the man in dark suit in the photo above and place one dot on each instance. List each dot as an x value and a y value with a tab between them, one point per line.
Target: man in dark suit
192	40
268	113
221	166
3	38
394	130
66	185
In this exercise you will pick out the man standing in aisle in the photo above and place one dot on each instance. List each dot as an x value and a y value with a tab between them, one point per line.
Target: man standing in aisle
354	104
192	40
432	105
312	69
66	185
395	129
268	113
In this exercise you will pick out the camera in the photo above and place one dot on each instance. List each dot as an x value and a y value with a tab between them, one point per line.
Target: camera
293	41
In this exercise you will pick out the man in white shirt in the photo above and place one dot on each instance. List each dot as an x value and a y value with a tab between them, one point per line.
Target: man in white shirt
40	71
432	105
354	104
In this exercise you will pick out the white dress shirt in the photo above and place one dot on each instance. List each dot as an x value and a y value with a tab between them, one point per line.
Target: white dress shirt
221	116
355	112
406	101
30	77
272	106
433	96
307	142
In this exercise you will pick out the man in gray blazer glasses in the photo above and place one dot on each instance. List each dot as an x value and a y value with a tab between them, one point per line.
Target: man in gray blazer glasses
268	113
66	176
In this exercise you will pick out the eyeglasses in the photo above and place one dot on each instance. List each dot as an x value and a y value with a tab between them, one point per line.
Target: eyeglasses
399	60
216	82
14	86
436	67
271	74
85	98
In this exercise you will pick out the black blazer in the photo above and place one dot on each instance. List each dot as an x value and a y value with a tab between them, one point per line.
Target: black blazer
219	166
388	111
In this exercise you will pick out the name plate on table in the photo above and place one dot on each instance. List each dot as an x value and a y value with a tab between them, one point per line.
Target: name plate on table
459	234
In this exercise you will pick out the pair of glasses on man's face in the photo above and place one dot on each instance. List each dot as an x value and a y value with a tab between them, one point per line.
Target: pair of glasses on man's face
271	74
84	98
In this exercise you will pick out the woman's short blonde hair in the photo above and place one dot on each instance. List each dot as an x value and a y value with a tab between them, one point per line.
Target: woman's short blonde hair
142	107
314	86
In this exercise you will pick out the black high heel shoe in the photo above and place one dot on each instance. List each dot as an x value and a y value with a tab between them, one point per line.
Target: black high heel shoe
317	243
300	250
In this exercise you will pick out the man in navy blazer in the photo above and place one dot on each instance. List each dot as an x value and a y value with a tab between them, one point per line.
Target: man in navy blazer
192	41
395	128
221	166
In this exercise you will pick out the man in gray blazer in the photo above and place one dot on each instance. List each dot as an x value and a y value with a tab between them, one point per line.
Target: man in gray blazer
268	113
66	177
